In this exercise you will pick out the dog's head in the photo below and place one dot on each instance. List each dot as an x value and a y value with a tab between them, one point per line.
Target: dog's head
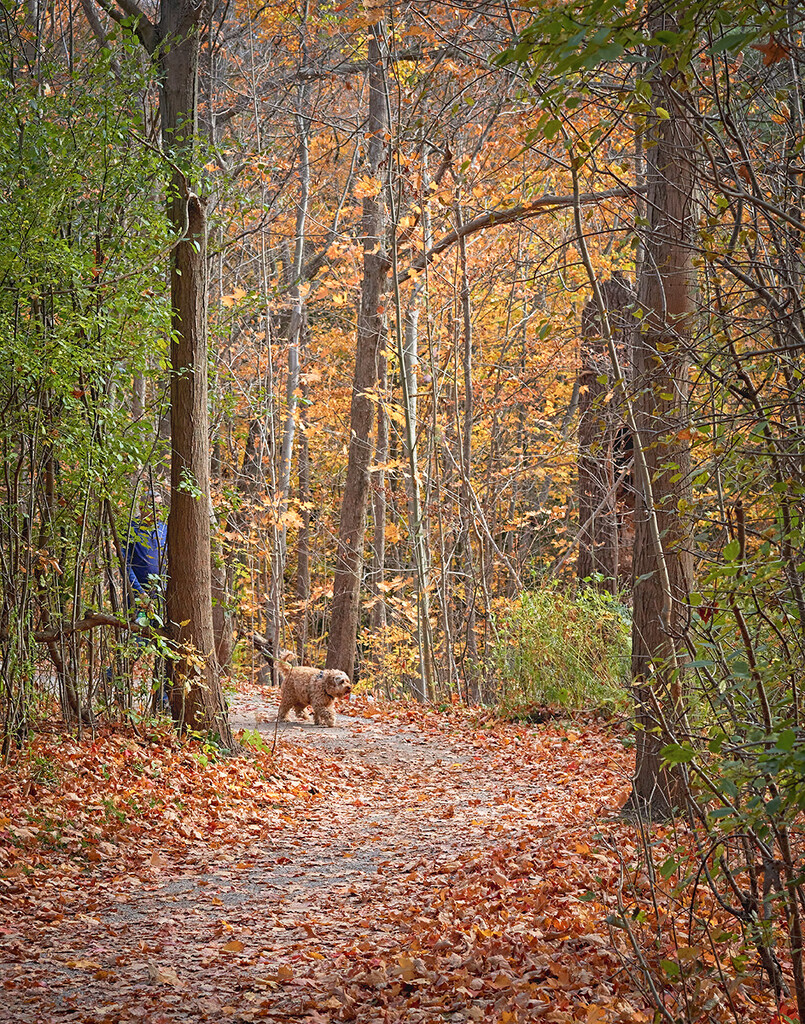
336	683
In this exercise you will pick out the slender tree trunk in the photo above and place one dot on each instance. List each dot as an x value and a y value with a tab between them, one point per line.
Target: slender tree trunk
376	577
471	665
297	328
303	539
352	528
221	593
408	354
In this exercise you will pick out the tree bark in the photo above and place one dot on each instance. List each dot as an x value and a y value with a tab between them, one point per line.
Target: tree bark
377	574
352	528
600	423
663	533
472	660
196	698
303	538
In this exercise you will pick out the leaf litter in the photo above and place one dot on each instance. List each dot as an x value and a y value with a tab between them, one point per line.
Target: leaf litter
408	865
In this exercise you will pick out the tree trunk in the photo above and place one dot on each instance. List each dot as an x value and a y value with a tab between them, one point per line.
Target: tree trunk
303	538
377	574
472	661
663	538
352	528
601	423
197	701
196	698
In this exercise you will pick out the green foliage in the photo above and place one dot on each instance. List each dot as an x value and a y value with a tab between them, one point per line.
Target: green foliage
554	648
568	41
746	701
82	306
252	739
83	310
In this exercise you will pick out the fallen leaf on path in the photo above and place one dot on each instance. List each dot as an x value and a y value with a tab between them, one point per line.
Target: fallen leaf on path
163	976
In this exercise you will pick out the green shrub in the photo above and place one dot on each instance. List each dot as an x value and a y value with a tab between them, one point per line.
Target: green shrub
556	649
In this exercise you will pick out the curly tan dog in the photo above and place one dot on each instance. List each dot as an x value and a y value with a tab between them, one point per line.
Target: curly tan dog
302	685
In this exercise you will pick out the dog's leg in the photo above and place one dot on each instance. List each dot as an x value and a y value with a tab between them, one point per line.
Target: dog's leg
284	708
323	714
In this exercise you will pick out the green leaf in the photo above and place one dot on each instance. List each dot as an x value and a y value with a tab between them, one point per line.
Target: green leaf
734	40
716	743
732	550
667	38
786	740
678	753
721	812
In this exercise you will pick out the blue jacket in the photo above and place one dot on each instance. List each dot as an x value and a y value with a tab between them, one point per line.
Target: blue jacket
147	558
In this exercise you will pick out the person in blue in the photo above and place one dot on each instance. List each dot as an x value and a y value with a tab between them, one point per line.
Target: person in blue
146	561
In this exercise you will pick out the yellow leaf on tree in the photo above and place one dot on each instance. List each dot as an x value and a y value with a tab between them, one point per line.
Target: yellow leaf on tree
366	186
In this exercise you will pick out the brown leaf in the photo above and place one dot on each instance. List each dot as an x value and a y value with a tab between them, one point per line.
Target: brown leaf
163	976
156	862
773	51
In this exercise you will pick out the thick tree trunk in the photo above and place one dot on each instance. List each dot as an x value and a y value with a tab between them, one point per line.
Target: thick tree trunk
197	701
196	697
352	528
663	538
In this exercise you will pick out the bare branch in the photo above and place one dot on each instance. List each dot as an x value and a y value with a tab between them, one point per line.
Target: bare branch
145	29
90	622
99	32
497	218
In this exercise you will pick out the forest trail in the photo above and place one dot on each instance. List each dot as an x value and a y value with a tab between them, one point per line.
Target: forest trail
428	867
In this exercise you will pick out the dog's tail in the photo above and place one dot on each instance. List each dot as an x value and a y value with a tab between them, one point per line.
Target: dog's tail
284	661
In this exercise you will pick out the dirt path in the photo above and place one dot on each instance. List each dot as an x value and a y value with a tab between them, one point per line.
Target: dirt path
422	876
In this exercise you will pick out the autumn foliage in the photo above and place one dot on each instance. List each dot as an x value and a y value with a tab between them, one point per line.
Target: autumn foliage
496	312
